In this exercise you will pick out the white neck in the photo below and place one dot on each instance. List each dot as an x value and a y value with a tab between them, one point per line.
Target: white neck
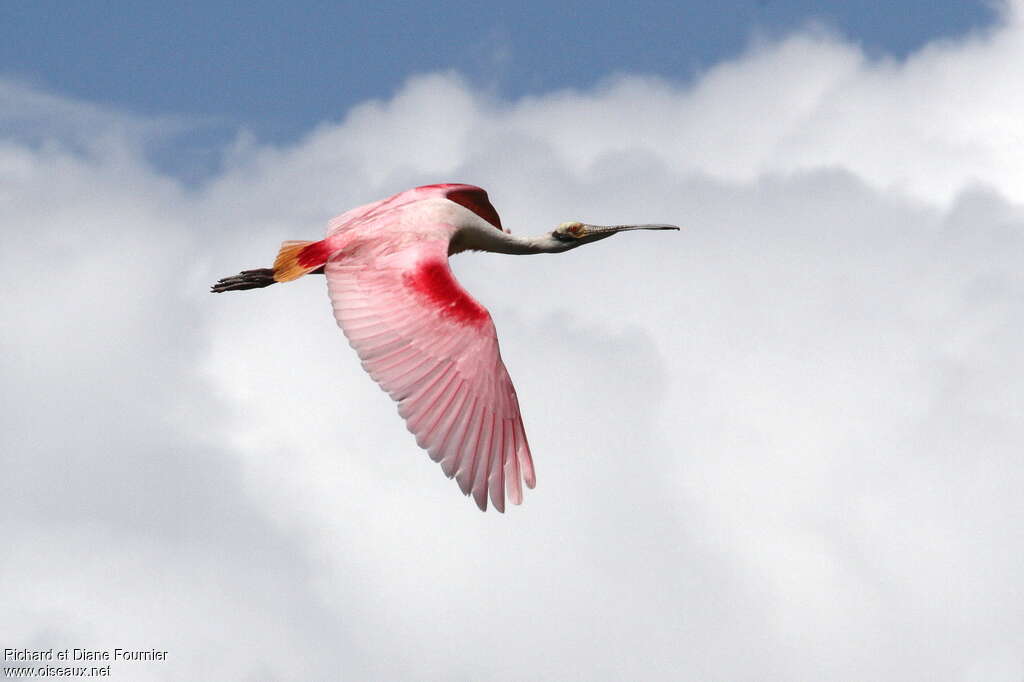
477	238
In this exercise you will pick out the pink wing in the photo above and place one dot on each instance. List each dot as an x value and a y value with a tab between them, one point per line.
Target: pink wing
434	349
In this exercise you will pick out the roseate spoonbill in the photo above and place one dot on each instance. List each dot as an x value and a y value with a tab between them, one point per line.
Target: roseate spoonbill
419	334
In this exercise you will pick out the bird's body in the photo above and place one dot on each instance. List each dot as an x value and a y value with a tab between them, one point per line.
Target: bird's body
419	334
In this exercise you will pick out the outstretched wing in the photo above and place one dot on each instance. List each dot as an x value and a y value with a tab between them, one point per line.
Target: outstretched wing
434	349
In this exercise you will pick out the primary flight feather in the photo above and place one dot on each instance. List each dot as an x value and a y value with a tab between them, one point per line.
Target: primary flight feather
419	334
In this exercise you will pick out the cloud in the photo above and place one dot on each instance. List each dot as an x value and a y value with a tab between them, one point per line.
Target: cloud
781	444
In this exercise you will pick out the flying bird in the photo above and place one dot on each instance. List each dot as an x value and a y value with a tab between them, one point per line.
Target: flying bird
429	344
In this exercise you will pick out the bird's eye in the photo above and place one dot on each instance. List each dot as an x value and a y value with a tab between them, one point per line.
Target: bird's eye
569	231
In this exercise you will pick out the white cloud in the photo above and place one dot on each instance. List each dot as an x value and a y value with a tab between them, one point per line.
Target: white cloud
781	444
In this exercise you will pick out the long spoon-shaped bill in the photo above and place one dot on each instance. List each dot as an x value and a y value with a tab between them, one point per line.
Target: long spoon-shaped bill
593	233
612	229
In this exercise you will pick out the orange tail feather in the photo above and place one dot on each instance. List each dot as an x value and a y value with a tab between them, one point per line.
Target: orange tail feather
298	258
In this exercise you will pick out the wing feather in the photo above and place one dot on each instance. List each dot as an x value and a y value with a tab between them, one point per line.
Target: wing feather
434	423
452	459
496	475
448	427
481	460
435	351
469	451
515	487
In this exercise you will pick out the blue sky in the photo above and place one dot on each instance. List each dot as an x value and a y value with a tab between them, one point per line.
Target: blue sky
279	68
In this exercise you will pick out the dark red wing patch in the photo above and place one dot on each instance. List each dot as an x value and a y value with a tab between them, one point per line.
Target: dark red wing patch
434	281
475	199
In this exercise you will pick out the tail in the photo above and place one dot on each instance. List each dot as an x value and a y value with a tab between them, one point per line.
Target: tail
246	279
294	260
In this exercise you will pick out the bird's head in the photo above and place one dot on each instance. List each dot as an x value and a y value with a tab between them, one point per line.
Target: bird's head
572	234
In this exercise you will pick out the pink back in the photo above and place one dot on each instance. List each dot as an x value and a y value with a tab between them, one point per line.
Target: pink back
469	196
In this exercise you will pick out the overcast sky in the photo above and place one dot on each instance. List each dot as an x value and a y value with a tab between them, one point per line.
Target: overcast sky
782	444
